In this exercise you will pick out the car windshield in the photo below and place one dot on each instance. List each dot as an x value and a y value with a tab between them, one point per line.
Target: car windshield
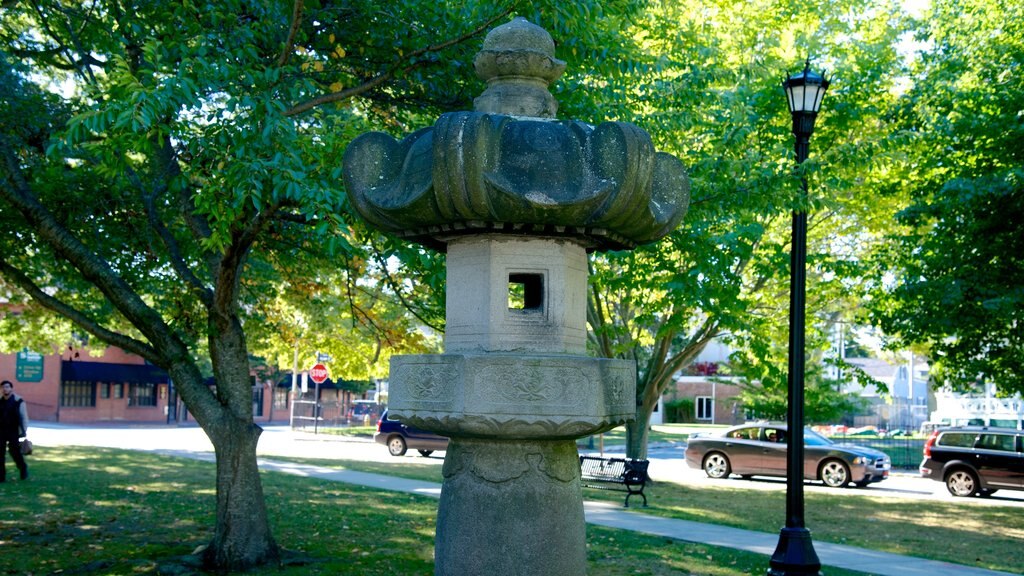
812	438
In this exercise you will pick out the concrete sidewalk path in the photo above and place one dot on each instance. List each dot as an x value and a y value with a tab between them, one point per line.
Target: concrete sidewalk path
614	516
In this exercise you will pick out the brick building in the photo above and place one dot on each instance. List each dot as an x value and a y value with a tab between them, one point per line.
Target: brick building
71	385
715	400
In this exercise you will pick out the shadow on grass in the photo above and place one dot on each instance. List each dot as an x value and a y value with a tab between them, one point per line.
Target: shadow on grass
112	512
103	511
962	532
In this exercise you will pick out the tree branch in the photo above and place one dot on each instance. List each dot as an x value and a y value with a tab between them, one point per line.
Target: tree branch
342	95
348	292
394	286
656	364
229	266
292	31
82	65
77	317
226	334
366	320
149	195
598	322
93	268
405	61
700	339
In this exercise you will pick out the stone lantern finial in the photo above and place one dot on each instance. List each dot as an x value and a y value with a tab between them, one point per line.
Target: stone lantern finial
509	167
518	63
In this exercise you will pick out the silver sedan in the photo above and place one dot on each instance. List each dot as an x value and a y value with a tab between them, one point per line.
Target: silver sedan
760	450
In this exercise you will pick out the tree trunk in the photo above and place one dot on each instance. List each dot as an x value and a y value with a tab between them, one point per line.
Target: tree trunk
636	434
648	392
651	385
242	538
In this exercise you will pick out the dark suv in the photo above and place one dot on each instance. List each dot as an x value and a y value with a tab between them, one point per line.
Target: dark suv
975	461
398	437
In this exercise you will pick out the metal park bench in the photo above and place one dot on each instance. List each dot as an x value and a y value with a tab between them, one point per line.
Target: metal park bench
621	474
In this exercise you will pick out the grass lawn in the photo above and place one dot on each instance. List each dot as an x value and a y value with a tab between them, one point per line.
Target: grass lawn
366	431
95	511
962	532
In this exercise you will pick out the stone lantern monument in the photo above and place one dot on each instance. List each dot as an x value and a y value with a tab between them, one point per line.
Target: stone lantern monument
516	199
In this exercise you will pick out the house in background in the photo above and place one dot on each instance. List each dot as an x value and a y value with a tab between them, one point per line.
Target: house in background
981	408
710	398
701	394
905	406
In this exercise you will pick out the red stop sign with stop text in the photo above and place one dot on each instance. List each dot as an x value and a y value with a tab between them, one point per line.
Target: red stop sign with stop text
318	373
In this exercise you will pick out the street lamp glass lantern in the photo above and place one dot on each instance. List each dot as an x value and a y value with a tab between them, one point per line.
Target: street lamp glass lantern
805	90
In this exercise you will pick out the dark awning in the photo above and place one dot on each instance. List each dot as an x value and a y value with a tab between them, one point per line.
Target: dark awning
106	372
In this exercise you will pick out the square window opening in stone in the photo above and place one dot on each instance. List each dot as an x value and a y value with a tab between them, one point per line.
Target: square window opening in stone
525	291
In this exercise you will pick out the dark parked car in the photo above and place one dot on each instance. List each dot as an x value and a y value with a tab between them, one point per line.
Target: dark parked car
975	461
760	450
398	437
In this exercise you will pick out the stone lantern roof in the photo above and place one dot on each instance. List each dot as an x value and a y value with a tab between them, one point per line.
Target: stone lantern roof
509	167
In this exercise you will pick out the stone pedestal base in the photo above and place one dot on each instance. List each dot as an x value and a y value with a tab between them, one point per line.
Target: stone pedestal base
511	508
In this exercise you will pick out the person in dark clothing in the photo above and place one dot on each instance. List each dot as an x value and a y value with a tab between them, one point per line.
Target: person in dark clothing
13	427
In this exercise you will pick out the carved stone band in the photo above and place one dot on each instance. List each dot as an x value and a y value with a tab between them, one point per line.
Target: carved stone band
512	396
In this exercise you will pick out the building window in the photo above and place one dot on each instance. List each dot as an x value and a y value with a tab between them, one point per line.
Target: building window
142	394
705	407
117	390
104	390
257	400
77	394
281	398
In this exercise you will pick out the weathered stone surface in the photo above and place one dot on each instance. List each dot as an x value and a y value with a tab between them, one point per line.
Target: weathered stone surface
479	318
474	173
512	395
509	168
510	508
518	62
498	58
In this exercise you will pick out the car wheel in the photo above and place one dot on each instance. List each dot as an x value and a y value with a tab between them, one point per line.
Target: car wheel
396	446
716	465
425	453
835	473
962	482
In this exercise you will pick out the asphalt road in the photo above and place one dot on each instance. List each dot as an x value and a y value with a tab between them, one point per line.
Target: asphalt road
667	462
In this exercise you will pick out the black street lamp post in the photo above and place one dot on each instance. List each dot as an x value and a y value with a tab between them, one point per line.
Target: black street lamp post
795	552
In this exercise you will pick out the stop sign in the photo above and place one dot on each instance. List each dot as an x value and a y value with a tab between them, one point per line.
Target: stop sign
318	373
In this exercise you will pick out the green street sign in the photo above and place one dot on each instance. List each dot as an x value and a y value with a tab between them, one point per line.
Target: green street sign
29	366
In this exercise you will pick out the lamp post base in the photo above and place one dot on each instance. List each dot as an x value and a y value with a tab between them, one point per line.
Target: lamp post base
794	554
